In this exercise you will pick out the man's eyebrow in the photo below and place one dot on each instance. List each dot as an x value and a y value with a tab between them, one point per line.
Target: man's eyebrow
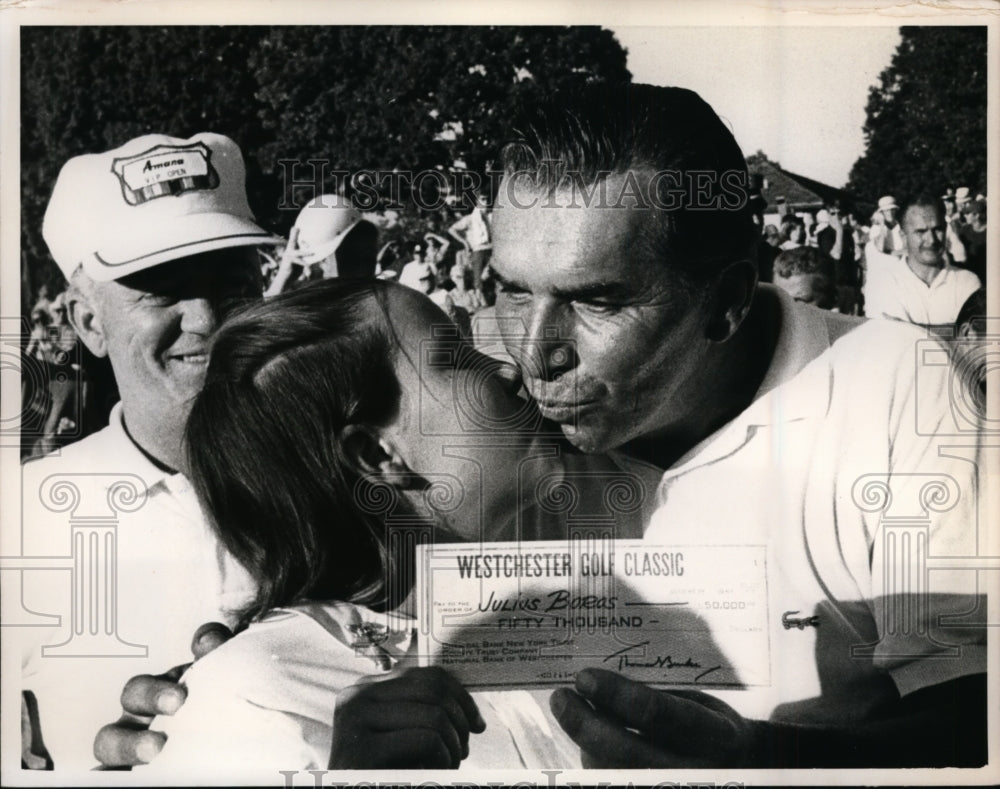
596	290
506	281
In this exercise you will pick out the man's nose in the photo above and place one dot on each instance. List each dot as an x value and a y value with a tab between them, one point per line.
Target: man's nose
547	347
198	316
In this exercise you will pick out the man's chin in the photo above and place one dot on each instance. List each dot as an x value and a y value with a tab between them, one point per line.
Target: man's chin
182	390
587	440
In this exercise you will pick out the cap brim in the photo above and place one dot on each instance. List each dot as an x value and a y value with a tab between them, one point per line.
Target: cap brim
182	237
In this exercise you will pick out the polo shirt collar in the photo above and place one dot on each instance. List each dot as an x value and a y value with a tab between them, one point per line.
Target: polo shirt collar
133	458
937	281
803	336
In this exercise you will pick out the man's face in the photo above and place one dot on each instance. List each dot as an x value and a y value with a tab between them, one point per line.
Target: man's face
606	340
890	215
924	231
157	323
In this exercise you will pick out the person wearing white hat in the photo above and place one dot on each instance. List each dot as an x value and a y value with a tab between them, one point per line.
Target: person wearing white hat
332	235
887	236
158	242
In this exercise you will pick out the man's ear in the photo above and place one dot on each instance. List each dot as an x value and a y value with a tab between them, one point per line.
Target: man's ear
84	317
371	454
730	300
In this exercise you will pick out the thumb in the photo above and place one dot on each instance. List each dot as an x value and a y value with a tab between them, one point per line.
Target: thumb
209	636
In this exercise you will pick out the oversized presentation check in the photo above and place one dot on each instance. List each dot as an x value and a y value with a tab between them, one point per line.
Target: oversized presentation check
534	614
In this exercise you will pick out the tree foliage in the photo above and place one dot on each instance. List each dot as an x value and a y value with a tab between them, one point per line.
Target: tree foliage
412	98
926	119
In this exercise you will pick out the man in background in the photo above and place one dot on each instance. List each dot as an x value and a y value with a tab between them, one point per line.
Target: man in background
972	234
807	275
922	287
158	243
472	231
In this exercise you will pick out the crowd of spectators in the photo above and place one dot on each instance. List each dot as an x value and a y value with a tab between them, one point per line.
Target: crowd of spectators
53	388
849	248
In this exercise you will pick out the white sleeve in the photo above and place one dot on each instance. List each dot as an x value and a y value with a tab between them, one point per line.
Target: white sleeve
219	730
929	598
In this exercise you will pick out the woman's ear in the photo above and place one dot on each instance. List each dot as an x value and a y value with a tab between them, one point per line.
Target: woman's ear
371	454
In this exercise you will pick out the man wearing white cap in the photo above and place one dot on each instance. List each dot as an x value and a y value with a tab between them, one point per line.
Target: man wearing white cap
157	241
332	235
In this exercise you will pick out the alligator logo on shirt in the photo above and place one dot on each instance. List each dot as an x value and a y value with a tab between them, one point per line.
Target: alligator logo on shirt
368	634
368	638
790	621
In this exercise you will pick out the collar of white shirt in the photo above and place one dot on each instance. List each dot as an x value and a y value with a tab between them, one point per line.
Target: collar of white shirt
129	456
806	333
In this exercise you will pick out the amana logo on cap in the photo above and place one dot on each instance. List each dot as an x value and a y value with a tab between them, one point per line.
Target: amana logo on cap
165	170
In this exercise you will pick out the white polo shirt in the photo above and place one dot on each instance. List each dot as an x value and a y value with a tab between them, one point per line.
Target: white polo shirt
103	501
841	421
892	290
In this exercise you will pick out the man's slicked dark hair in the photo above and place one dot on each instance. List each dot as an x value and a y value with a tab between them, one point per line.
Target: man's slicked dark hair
607	129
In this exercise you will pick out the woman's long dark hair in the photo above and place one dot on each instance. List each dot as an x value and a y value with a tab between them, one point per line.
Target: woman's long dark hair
263	441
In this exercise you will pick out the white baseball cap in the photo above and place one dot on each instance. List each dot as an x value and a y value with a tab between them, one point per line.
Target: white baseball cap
323	224
153	200
962	194
886	203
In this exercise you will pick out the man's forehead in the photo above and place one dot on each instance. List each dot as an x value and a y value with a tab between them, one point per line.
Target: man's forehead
919	215
578	253
589	221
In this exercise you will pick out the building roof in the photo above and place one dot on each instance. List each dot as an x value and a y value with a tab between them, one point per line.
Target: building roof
800	193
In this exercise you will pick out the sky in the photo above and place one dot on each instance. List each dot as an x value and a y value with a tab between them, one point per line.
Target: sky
797	93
